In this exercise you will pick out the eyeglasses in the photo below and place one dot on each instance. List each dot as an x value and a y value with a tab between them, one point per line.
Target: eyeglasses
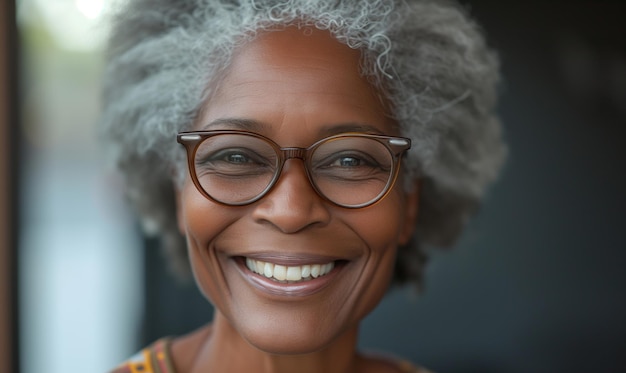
236	168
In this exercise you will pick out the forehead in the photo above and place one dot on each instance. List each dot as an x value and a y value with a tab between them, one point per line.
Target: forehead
305	76
299	48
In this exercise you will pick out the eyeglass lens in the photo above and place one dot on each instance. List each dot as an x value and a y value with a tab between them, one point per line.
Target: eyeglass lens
237	168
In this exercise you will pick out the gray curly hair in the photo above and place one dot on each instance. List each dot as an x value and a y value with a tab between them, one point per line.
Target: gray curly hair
428	57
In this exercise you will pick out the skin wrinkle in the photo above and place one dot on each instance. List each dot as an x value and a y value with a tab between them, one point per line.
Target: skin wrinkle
252	125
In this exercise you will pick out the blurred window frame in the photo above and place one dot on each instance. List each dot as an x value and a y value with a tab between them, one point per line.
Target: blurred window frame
9	144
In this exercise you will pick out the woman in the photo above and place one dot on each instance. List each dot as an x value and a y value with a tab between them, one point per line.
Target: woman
323	144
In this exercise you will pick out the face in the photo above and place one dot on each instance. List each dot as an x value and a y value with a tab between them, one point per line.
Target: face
294	89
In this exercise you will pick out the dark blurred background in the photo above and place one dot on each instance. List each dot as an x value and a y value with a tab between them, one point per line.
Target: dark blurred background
537	283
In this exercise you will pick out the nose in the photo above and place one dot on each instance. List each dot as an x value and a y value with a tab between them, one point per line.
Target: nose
292	205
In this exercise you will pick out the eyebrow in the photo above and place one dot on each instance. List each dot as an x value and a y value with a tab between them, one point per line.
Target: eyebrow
336	129
254	125
238	123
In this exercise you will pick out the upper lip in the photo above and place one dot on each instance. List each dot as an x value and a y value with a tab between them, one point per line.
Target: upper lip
291	259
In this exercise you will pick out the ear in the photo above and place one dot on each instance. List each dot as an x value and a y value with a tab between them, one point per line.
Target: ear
410	213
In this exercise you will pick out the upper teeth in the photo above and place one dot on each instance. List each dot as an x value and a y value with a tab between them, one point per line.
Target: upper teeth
288	273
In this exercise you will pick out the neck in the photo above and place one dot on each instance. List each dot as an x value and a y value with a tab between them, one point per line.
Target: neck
224	350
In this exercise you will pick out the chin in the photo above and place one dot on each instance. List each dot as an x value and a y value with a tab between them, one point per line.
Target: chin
295	336
288	344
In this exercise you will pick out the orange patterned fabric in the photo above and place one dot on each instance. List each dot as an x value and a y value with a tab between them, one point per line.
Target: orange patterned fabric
153	359
156	359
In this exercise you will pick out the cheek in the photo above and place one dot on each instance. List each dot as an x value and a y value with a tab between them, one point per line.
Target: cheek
201	221
379	227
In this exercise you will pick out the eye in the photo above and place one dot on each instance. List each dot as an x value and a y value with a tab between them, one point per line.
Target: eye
238	158
350	165
234	162
233	156
349	159
346	162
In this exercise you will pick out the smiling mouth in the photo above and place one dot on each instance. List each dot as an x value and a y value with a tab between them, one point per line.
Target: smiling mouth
289	274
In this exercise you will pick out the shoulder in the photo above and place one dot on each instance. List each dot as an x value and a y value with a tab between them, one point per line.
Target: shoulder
167	355
152	359
406	366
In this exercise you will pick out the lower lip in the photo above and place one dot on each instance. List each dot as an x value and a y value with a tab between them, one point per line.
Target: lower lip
298	289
